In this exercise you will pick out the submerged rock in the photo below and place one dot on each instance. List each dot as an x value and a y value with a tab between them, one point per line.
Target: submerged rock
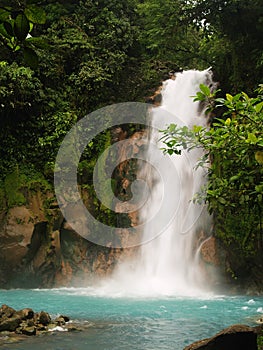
239	337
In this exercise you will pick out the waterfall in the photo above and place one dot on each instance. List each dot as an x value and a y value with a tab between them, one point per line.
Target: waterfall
167	262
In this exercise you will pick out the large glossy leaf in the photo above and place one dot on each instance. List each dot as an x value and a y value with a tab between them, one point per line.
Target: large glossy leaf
35	14
21	27
30	57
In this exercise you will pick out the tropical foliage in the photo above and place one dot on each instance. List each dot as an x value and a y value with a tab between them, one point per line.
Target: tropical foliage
60	60
234	158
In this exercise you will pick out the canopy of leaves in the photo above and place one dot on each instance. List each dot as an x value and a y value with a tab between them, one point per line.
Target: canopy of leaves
60	60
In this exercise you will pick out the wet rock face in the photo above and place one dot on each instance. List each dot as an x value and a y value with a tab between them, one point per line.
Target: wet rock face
239	337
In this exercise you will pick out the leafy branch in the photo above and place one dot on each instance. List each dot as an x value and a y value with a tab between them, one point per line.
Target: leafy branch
16	24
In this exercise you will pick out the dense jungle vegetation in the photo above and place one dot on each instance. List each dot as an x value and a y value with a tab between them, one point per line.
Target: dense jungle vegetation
60	60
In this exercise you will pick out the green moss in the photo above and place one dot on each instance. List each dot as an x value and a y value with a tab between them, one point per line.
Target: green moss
12	187
17	183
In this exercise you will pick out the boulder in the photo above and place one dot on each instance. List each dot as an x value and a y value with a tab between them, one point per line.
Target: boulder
66	318
239	337
6	311
10	323
44	318
60	321
26	314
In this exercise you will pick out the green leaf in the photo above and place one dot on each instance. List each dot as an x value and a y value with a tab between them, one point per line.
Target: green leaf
197	129
228	122
258	107
4	14
40	43
259	157
4	32
252	138
172	127
205	89
35	14
234	178
229	97
9	28
221	200
30	57
21	27
200	96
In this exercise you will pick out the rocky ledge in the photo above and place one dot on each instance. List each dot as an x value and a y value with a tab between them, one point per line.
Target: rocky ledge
239	337
17	324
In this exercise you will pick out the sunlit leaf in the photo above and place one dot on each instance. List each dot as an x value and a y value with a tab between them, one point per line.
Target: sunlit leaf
259	157
258	107
35	14
229	97
205	89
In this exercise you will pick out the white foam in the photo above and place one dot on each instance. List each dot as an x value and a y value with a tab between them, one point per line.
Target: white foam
58	329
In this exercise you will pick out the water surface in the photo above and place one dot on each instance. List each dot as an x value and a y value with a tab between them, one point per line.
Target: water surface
131	322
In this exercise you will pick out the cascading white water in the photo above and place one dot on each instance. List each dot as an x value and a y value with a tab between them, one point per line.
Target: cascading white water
167	263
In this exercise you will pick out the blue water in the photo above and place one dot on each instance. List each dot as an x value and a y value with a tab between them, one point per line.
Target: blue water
131	323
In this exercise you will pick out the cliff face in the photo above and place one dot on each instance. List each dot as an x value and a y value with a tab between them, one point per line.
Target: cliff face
229	270
40	249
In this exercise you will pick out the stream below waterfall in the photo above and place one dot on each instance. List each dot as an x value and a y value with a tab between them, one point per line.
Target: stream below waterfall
118	323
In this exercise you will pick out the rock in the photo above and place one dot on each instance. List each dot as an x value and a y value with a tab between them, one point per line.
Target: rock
60	321
26	314
6	311
44	318
73	329
209	251
260	320
29	330
239	337
66	318
10	323
25	322
51	326
30	323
